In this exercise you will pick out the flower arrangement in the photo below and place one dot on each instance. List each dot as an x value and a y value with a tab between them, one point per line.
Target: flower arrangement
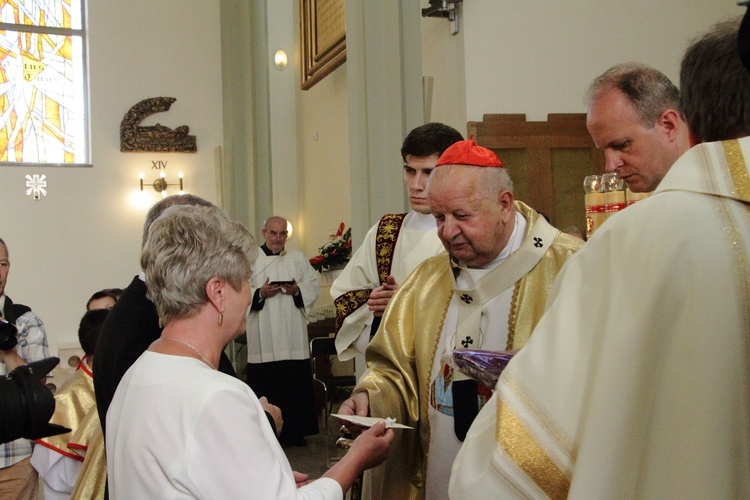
336	252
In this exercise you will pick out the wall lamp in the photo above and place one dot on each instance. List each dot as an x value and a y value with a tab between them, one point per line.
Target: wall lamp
446	9
280	60
160	184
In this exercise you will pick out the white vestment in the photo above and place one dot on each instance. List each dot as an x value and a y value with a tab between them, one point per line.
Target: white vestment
417	241
279	330
635	383
444	444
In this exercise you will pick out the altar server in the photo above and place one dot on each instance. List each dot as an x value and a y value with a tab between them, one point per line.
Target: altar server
278	353
393	247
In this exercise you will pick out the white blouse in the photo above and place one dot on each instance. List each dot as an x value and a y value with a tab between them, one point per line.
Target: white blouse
178	429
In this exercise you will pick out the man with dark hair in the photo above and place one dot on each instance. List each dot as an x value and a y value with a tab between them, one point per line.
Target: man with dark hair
633	116
103	299
393	248
635	382
88	331
18	479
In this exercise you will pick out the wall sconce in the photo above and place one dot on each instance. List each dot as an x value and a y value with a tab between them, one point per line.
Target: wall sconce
289	230
280	59
446	9
160	184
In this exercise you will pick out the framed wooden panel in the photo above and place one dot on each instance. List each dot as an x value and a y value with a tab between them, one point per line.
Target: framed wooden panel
323	38
547	161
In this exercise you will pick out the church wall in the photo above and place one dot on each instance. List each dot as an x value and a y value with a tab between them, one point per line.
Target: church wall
538	57
85	234
443	62
325	157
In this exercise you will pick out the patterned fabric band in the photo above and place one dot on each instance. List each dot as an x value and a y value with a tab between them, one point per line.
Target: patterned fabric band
385	244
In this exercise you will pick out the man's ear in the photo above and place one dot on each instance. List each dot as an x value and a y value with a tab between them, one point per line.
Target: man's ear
506	201
670	121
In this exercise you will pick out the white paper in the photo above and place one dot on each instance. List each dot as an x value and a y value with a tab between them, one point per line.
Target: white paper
370	421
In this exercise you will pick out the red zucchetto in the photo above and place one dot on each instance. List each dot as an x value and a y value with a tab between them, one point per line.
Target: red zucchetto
468	153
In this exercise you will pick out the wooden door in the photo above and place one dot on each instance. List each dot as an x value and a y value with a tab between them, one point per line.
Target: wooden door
547	161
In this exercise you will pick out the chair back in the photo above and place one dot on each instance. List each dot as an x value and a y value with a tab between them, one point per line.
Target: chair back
320	346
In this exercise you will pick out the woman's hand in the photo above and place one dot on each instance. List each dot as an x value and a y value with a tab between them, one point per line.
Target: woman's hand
373	445
368	450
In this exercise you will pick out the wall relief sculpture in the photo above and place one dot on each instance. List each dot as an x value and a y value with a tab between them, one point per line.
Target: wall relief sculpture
134	137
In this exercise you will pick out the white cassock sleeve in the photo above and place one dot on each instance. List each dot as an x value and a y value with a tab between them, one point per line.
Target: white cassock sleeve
58	472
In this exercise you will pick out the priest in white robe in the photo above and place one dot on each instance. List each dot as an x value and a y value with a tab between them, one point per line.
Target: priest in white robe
635	383
285	287
393	247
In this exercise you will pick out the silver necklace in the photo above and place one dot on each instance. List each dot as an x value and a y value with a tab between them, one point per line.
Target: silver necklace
193	348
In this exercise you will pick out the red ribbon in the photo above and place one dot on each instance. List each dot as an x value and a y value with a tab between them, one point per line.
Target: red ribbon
614	207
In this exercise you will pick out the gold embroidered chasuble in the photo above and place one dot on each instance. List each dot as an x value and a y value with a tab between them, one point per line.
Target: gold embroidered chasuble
75	408
72	402
92	478
635	382
400	357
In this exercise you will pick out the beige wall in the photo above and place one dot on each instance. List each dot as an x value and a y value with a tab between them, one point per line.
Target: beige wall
443	61
538	57
325	157
85	235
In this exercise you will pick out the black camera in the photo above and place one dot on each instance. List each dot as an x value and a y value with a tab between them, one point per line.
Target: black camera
26	405
8	338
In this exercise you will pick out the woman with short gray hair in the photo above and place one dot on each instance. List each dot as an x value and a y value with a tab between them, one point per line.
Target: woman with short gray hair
178	428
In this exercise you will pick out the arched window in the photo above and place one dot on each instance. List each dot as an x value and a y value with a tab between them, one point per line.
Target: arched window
43	93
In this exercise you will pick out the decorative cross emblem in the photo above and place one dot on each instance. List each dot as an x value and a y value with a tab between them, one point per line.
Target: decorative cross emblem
467	298
538	242
466	342
36	184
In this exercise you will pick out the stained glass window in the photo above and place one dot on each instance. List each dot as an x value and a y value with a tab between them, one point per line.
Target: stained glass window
42	83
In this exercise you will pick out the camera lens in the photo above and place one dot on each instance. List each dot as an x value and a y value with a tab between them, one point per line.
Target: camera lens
26	405
8	333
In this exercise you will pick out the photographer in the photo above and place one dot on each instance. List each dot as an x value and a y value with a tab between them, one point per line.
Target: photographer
18	479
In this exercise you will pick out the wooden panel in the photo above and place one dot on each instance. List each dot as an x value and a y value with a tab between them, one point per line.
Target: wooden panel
323	37
569	167
546	160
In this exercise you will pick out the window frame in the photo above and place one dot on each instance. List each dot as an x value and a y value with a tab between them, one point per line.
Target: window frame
77	32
